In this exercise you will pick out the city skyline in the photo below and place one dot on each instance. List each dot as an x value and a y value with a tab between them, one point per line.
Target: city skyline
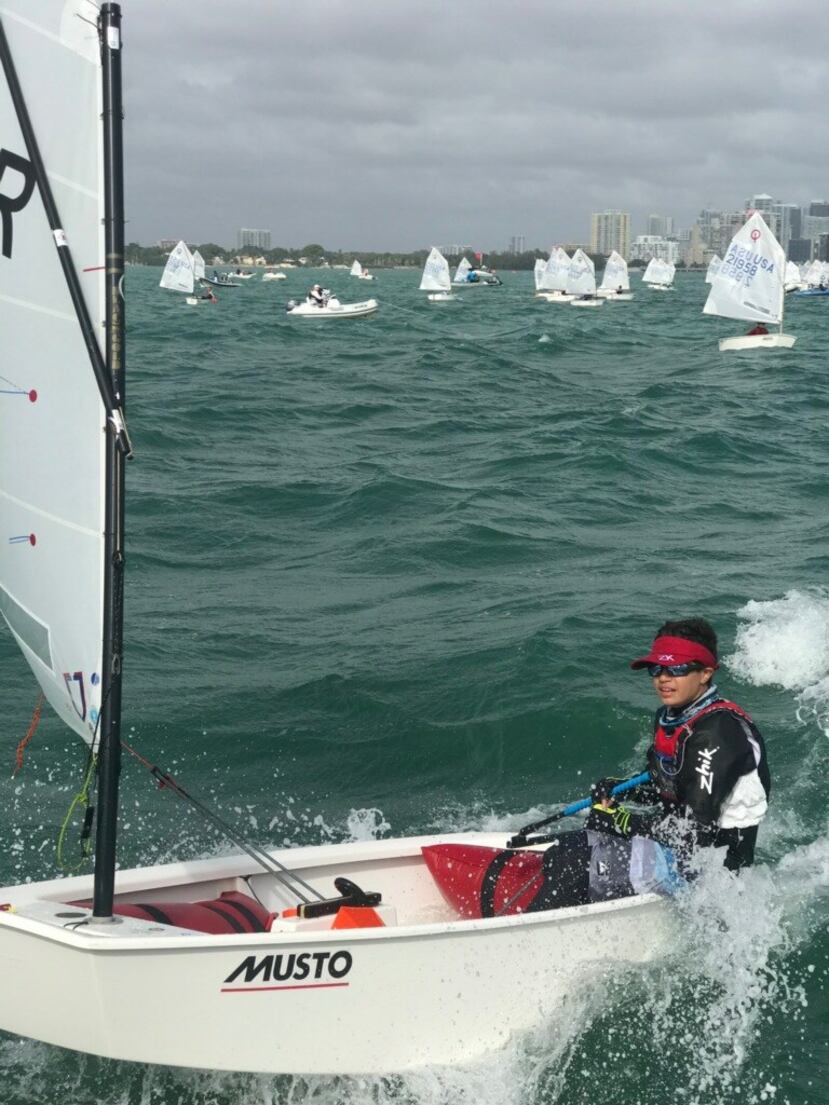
391	126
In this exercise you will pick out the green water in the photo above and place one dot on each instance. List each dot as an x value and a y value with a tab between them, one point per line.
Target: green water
385	576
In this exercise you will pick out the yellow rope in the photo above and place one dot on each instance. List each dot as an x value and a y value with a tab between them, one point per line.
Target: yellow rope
80	799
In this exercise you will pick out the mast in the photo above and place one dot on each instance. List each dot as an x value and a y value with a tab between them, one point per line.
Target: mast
109	762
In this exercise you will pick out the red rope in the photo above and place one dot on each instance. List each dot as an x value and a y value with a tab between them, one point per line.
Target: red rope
21	748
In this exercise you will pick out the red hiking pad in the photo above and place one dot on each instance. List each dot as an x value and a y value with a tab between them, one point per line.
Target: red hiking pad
461	873
230	913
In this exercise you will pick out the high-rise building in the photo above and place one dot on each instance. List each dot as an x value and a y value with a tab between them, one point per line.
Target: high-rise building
610	230
788	222
820	208
646	246
762	203
660	226
258	239
517	243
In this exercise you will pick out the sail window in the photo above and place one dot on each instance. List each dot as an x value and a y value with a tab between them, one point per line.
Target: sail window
29	630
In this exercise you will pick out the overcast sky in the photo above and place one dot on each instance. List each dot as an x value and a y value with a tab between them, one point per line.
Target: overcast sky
398	124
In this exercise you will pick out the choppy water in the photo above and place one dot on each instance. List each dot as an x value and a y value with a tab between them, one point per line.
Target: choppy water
385	576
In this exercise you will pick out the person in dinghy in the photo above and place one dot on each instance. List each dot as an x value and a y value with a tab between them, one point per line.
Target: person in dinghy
317	295
709	775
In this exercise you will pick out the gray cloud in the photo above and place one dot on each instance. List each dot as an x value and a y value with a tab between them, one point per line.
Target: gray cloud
395	124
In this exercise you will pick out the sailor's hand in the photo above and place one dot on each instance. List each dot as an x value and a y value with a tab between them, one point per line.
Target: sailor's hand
600	791
609	819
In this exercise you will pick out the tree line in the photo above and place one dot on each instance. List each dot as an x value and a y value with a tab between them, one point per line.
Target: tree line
316	254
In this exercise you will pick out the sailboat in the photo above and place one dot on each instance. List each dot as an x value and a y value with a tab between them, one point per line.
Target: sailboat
554	282
361	273
180	273
615	283
471	277
749	286
264	961
659	275
435	279
793	281
581	281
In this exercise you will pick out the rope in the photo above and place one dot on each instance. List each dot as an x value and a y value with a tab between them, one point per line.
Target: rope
82	798
30	732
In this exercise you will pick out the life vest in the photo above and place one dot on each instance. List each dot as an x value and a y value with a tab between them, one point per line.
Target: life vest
669	746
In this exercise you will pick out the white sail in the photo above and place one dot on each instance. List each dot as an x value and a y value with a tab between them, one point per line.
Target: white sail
538	273
198	265
749	283
659	272
558	270
615	274
435	273
356	269
651	269
713	268
178	272
461	272
52	419
813	274
581	277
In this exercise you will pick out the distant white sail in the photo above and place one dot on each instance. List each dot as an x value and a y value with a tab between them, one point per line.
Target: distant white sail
461	272
538	273
356	269
178	272
749	283
435	273
52	419
713	268
581	278
615	273
198	265
558	270
792	277
659	272
813	274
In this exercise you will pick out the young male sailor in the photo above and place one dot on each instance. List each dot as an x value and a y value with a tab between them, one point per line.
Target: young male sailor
710	779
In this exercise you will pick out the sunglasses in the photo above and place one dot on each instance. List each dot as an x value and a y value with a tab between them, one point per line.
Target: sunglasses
673	669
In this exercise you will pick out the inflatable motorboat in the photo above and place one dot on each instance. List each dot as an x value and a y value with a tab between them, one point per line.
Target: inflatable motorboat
332	308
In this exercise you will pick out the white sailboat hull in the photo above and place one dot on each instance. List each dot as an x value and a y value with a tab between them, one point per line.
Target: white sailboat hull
442	297
622	297
587	303
430	990
555	297
757	341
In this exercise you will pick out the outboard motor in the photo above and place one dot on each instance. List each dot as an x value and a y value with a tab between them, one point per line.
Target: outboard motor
291	304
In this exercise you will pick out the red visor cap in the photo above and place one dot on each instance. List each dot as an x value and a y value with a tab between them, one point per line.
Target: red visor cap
676	650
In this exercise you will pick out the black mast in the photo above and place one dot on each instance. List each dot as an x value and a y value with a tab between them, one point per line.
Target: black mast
109	761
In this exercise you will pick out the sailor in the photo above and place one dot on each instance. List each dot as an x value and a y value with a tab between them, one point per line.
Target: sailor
316	296
619	290
709	775
208	295
758	329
